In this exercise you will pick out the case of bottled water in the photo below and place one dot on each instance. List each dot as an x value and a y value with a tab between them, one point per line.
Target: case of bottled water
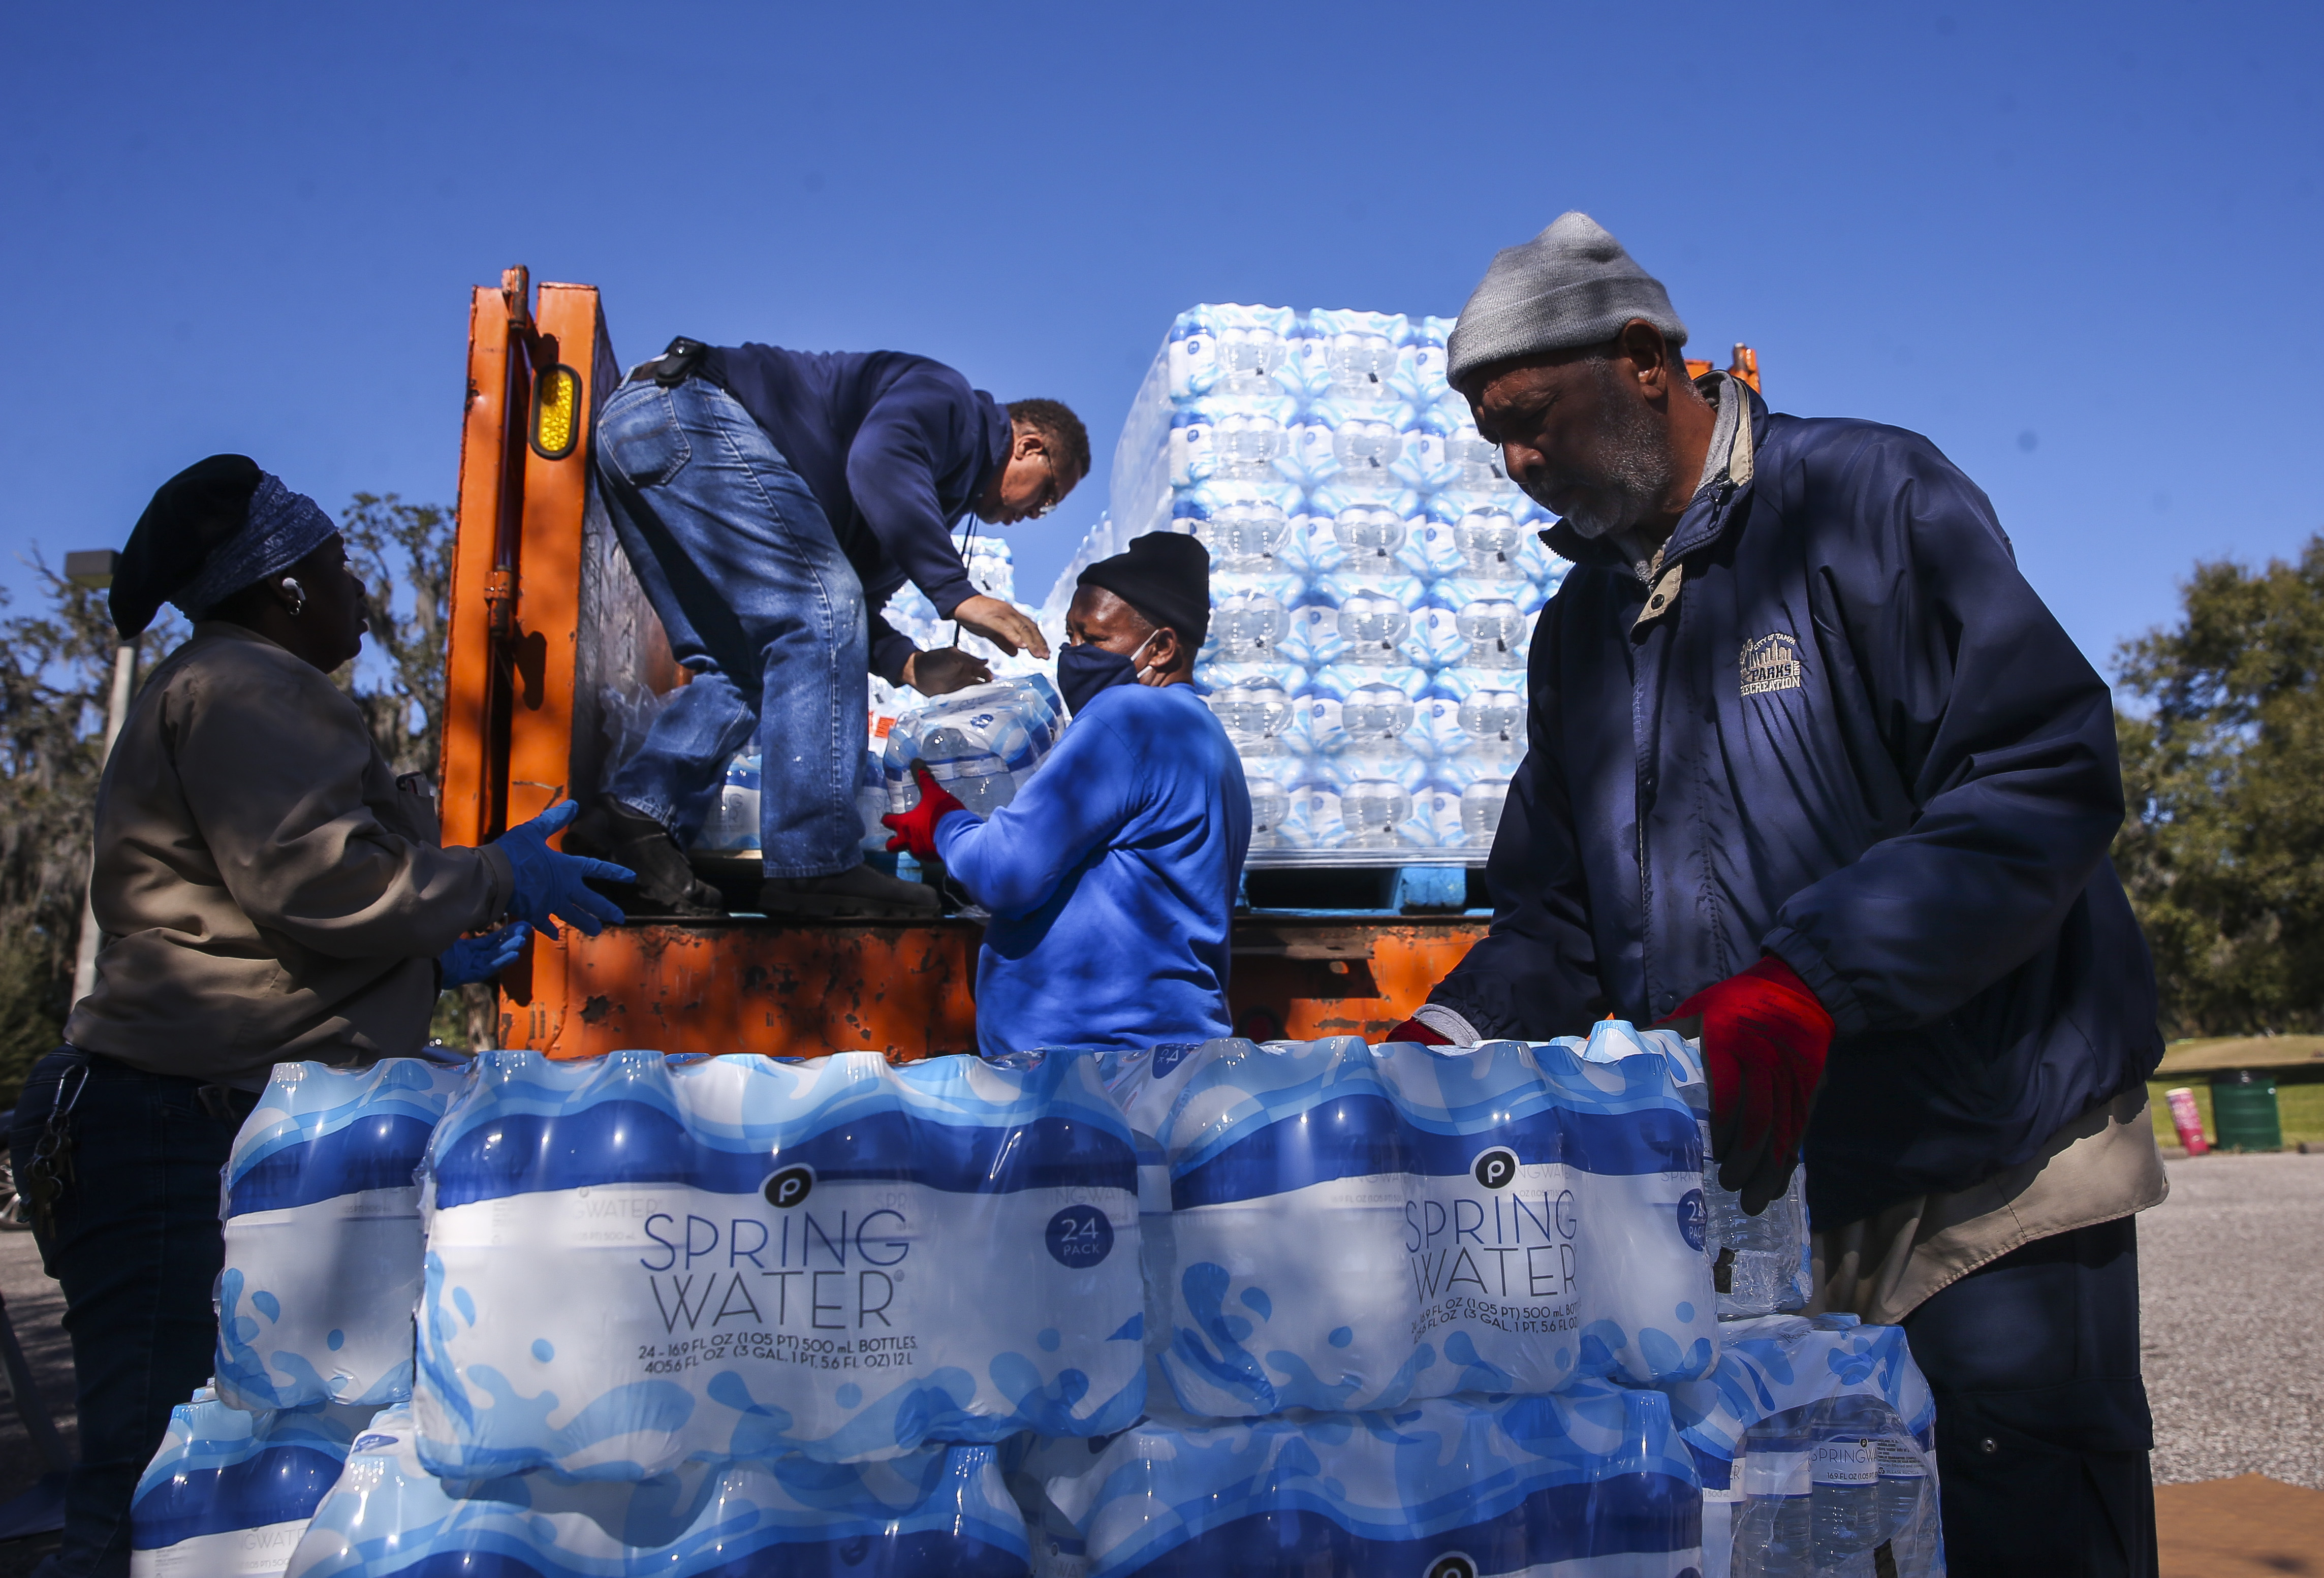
229	1493
636	1261
1813	1439
982	743
1590	1483
321	1219
1354	1227
1759	1264
1361	533
941	1509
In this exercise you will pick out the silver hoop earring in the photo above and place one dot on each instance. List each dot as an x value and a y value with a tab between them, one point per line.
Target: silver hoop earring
298	596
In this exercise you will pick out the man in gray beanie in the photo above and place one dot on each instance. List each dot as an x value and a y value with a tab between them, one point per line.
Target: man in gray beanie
1815	777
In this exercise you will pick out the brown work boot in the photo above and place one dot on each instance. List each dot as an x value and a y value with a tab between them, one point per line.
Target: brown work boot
665	884
861	894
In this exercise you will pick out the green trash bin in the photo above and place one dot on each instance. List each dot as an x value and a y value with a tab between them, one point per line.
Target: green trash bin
2243	1110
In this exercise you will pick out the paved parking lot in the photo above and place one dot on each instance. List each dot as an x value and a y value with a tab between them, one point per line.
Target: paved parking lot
2231	1270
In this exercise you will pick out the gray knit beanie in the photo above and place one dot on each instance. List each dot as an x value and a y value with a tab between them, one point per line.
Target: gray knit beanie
1571	286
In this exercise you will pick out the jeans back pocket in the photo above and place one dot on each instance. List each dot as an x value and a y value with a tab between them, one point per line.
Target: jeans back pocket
640	438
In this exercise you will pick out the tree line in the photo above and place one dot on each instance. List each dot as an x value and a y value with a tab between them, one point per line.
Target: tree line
2221	734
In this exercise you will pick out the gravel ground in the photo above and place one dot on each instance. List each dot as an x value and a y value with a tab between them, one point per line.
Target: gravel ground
2232	1304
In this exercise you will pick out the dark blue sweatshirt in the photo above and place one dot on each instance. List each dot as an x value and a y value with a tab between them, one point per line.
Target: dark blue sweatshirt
1111	879
1851	737
893	448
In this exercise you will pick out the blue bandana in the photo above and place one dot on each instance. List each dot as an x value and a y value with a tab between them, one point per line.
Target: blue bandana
283	528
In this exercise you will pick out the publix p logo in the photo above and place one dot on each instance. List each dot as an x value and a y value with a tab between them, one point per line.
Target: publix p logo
789	1187
1079	1237
1496	1169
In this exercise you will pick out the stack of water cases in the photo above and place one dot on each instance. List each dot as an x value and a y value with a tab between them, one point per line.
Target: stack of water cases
1409	1310
1375	574
323	1263
1452	1312
672	1317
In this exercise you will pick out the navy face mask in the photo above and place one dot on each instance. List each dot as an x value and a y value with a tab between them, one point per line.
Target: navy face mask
1083	669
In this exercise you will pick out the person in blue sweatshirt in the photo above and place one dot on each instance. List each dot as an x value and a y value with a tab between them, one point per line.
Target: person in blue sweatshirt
1111	877
770	501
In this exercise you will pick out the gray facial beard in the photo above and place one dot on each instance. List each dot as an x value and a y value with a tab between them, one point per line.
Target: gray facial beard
1636	473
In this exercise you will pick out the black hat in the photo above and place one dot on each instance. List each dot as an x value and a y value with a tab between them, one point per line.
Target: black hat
191	515
1165	575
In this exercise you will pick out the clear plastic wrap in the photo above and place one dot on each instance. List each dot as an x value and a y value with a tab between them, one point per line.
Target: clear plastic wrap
323	1249
230	1492
635	1262
1592	1483
1355	1227
941	1509
1806	1416
982	743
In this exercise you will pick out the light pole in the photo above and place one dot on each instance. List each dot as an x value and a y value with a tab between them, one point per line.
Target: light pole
93	568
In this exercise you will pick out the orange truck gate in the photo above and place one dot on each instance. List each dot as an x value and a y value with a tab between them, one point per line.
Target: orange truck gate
546	620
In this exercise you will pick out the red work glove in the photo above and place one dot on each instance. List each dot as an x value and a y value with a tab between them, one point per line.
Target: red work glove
1763	1039
915	829
1414	1031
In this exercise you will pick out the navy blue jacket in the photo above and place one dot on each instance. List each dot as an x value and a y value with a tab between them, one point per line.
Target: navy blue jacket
893	448
1854	739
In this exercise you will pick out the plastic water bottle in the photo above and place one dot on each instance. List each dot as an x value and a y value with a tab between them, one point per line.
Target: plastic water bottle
1495	632
1480	809
1371	807
1254	717
1908	1505
1764	1255
1494	723
1248	626
1845	1484
1372	534
1373	625
1244	534
1774	1530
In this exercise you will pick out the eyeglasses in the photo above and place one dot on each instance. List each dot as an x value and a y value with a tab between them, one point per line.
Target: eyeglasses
1052	495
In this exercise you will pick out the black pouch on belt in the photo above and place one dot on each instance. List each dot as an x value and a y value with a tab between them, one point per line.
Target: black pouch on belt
675	365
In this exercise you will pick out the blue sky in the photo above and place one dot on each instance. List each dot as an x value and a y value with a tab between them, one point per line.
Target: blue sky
2076	245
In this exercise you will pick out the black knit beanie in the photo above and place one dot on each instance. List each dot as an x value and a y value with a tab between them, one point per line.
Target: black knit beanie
1165	575
191	515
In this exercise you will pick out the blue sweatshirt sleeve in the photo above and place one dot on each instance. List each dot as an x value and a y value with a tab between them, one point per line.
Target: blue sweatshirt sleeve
1535	975
1083	794
890	647
2001	727
921	426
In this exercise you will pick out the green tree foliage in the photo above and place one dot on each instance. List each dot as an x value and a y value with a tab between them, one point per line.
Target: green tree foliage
56	676
56	673
2223	765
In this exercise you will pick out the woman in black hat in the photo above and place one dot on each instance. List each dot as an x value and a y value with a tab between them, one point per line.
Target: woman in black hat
268	890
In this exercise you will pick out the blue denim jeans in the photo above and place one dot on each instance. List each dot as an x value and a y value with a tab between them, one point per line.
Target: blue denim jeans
137	1246
735	555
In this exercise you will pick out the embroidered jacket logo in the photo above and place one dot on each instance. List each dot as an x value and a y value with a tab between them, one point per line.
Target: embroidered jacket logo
1771	662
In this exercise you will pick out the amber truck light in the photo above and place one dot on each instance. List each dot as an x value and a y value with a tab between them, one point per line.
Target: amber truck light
556	407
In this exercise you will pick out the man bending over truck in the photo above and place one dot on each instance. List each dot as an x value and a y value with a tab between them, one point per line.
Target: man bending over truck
1111	877
1813	774
770	501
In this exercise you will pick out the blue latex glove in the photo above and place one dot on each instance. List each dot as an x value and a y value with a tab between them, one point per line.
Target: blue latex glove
480	958
548	883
